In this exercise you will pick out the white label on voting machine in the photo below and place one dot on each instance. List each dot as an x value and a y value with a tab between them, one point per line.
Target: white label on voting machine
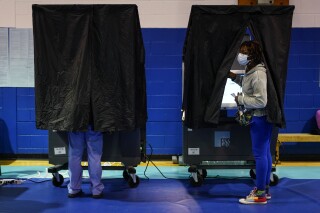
193	151
60	151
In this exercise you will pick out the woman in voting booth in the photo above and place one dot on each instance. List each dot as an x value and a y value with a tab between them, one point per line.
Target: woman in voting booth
254	99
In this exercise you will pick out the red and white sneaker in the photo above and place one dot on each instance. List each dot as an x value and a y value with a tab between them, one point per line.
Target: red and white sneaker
255	197
268	194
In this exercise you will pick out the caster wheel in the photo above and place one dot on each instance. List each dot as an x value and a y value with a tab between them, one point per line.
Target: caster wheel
125	175
133	184
204	173
252	174
194	183
57	183
192	169
275	180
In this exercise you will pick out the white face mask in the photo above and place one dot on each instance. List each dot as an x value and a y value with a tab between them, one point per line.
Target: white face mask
242	59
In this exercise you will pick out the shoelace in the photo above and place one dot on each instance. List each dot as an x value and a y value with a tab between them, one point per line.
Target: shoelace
252	193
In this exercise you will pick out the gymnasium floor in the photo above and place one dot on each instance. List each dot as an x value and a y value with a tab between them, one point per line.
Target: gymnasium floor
171	191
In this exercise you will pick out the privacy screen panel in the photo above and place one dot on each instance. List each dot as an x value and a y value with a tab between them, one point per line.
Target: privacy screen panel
89	67
212	42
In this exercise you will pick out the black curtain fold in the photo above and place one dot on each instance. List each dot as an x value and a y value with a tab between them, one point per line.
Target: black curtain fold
212	42
89	67
274	33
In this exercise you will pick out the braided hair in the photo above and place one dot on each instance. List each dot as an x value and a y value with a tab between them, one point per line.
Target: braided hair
254	52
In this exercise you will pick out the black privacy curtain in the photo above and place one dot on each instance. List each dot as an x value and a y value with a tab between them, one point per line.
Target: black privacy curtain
89	67
212	42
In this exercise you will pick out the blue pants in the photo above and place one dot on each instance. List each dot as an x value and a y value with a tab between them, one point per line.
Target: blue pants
78	142
261	132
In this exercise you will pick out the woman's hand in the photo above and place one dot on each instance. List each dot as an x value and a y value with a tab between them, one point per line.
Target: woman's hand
236	99
232	75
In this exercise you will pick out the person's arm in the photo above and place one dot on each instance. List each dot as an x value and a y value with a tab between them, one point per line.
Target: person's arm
232	75
235	78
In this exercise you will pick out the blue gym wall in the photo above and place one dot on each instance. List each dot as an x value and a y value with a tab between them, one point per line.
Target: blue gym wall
163	71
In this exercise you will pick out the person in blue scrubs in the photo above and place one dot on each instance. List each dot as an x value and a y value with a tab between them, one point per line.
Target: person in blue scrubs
91	141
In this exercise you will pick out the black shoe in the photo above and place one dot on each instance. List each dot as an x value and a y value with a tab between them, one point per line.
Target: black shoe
78	194
98	196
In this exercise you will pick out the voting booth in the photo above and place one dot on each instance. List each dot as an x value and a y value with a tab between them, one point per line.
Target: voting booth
211	136
89	70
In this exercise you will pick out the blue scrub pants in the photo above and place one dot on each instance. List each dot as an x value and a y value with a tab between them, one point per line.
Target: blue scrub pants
78	142
261	132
